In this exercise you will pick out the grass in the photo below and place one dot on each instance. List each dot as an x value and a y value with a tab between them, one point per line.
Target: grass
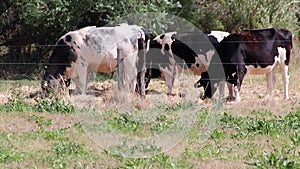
17	104
258	139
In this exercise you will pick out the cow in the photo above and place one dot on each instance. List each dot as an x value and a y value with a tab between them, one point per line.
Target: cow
102	49
193	49
256	51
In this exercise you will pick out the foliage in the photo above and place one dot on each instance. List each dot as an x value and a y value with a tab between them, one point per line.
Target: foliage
7	154
30	28
250	126
54	105
278	158
242	14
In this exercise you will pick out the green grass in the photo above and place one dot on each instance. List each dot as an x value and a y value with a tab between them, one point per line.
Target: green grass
18	104
259	139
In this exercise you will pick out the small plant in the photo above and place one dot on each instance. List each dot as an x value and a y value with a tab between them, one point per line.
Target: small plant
218	134
41	121
162	123
248	126
124	150
275	159
62	154
295	137
53	105
124	122
7	155
17	104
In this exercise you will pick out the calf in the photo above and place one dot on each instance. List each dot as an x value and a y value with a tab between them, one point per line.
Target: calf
99	49
256	51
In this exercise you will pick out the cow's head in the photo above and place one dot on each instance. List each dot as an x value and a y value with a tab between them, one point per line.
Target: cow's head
165	38
61	59
209	85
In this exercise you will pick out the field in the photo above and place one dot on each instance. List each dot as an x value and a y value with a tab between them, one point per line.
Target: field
103	131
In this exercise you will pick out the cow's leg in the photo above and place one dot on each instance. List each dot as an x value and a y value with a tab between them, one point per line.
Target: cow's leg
169	81
240	73
120	71
271	80
283	53
285	78
230	91
130	71
237	94
83	76
221	89
141	71
173	73
167	75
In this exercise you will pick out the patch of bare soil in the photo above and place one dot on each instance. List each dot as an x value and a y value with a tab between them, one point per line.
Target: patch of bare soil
22	122
216	164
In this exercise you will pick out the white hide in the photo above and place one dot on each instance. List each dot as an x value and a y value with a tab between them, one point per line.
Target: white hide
166	40
220	35
90	59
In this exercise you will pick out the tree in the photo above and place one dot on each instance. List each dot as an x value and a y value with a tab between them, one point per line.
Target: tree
30	28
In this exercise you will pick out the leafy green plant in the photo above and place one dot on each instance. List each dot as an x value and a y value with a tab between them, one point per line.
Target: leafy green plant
276	159
246	126
17	104
162	123
7	154
295	137
54	134
62	154
125	122
218	134
41	121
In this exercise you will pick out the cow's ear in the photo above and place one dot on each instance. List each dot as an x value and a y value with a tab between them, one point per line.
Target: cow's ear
162	36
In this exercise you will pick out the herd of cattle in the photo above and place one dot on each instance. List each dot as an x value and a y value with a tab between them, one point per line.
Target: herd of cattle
137	56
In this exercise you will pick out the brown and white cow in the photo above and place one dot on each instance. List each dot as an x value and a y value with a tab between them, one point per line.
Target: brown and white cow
192	49
256	51
101	49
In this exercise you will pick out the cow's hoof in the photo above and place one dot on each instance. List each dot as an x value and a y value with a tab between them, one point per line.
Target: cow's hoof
181	94
171	94
230	99
34	94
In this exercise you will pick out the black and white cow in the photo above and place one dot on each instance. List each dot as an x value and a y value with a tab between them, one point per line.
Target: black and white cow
193	49
256	51
101	49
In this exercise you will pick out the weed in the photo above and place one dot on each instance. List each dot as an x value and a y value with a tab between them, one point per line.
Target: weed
295	137
248	126
162	124
124	122
276	159
18	104
161	160
53	105
62	154
41	121
218	134
7	154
